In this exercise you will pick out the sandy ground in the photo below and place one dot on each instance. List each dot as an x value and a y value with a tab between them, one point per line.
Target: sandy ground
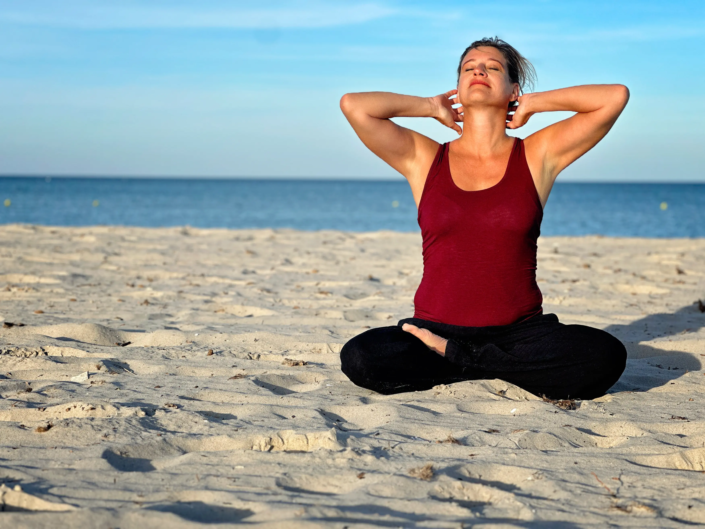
171	377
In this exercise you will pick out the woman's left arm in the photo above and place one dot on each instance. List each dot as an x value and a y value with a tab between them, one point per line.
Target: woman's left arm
557	146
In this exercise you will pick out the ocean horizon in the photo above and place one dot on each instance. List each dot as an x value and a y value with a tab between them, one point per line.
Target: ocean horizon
659	210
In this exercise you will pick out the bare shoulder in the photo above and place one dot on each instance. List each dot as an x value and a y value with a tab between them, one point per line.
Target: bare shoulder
535	150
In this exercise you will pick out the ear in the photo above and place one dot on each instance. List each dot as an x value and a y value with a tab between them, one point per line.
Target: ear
515	93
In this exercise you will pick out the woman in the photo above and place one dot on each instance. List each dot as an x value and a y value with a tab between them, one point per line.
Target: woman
480	202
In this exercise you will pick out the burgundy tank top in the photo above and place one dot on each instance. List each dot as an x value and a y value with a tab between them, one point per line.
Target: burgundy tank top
479	247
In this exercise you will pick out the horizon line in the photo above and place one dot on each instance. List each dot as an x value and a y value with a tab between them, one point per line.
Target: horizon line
304	178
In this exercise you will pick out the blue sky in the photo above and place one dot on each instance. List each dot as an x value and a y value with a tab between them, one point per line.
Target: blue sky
216	88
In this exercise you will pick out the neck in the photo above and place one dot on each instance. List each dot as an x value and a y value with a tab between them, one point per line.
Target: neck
484	131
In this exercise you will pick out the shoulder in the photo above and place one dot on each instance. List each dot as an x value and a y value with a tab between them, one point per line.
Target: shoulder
426	152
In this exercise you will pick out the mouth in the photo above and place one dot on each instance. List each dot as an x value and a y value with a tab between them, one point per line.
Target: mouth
479	82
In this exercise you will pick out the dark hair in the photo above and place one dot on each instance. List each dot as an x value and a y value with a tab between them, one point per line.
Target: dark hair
520	70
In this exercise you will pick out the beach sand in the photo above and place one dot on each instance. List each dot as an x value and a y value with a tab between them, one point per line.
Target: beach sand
177	376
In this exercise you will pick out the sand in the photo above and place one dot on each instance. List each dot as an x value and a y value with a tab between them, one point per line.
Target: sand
172	377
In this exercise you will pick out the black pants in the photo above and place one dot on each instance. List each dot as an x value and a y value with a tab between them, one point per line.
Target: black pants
540	355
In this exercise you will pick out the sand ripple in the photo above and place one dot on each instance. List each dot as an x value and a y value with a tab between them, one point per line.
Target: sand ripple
179	377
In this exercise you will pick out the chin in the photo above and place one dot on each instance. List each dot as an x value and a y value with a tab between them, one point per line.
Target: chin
479	102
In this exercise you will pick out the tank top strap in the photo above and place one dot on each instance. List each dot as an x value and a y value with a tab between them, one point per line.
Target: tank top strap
514	162
524	174
439	162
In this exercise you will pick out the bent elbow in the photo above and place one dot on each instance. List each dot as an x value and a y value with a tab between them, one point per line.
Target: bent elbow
622	94
346	103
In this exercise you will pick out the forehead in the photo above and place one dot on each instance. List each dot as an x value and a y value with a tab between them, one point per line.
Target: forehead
484	53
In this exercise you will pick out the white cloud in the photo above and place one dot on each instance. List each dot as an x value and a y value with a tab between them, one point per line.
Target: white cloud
130	14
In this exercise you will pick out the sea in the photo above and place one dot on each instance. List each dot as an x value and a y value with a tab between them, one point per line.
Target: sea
609	209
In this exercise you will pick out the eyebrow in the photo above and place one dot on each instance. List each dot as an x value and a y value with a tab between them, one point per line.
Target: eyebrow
495	60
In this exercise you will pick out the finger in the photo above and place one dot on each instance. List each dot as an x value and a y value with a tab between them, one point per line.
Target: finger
413	329
421	334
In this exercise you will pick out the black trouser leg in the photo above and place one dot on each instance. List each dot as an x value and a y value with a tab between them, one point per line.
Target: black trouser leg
573	361
541	355
389	360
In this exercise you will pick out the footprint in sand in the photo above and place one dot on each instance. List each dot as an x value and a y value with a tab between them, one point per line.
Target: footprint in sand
568	436
83	332
541	441
360	417
203	513
14	500
491	501
693	459
288	384
618	429
502	407
70	410
158	455
281	441
317	484
12	387
140	457
125	463
505	477
93	333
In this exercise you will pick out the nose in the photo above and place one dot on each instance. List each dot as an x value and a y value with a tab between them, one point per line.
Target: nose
479	70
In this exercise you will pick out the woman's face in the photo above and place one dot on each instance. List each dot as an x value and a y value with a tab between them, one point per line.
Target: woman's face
484	80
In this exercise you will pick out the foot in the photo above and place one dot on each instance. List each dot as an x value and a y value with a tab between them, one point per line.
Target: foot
434	342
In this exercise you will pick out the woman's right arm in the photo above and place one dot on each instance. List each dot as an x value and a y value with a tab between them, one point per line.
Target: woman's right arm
405	150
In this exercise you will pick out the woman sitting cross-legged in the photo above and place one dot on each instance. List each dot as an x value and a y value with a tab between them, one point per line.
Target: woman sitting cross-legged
480	200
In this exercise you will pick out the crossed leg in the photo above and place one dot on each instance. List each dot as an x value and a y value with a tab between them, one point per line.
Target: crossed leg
556	360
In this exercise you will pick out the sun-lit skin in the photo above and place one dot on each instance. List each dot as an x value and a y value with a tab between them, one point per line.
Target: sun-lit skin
478	158
484	108
485	92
